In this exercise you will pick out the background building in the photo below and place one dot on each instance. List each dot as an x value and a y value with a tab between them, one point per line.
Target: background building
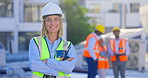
20	19
122	13
19	22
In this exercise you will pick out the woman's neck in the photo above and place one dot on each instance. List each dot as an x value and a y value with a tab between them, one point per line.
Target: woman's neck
52	37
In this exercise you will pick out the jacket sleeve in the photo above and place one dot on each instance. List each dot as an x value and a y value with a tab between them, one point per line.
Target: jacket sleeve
104	54
127	48
36	65
91	44
109	49
64	66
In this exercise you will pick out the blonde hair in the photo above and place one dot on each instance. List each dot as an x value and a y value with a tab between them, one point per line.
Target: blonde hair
44	31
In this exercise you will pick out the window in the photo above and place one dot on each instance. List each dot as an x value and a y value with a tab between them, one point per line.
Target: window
94	8
115	8
134	7
24	39
5	39
32	12
6	8
118	7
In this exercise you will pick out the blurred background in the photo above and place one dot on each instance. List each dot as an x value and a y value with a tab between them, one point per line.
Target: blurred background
20	21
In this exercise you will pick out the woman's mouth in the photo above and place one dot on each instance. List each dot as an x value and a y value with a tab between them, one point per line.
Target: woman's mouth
53	27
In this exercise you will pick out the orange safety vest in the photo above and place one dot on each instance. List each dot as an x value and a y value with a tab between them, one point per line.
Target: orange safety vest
103	61
96	46
122	49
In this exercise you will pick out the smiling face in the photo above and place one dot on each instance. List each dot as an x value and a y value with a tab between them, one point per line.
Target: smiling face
53	24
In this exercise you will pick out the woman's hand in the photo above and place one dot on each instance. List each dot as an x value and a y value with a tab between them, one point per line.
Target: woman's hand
69	59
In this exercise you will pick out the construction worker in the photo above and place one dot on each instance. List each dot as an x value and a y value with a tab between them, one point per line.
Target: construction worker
49	55
119	50
91	51
103	63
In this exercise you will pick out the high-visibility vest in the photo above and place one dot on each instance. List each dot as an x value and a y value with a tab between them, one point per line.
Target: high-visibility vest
103	61
45	53
121	47
96	46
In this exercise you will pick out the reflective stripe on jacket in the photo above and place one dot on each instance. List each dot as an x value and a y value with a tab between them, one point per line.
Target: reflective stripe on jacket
45	53
121	47
96	49
103	61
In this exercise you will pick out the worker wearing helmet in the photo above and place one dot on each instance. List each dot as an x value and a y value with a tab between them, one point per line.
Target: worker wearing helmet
91	51
50	56
119	50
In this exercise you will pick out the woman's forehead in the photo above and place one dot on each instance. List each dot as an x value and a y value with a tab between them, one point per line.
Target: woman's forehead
53	16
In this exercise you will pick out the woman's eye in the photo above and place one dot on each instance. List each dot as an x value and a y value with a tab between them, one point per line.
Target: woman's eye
48	20
56	19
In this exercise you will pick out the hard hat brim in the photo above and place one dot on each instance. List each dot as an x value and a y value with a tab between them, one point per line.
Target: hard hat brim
99	31
51	15
116	30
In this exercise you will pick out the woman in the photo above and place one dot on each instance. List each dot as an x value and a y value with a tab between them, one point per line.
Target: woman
103	63
49	55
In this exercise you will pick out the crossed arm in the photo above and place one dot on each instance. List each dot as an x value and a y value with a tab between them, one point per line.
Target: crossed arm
52	67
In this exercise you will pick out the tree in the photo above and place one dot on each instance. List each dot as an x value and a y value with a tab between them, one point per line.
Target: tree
77	26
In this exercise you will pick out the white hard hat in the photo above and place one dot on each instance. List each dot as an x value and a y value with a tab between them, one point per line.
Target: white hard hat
51	9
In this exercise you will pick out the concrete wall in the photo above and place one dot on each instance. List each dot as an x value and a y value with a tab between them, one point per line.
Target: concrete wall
112	19
7	24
